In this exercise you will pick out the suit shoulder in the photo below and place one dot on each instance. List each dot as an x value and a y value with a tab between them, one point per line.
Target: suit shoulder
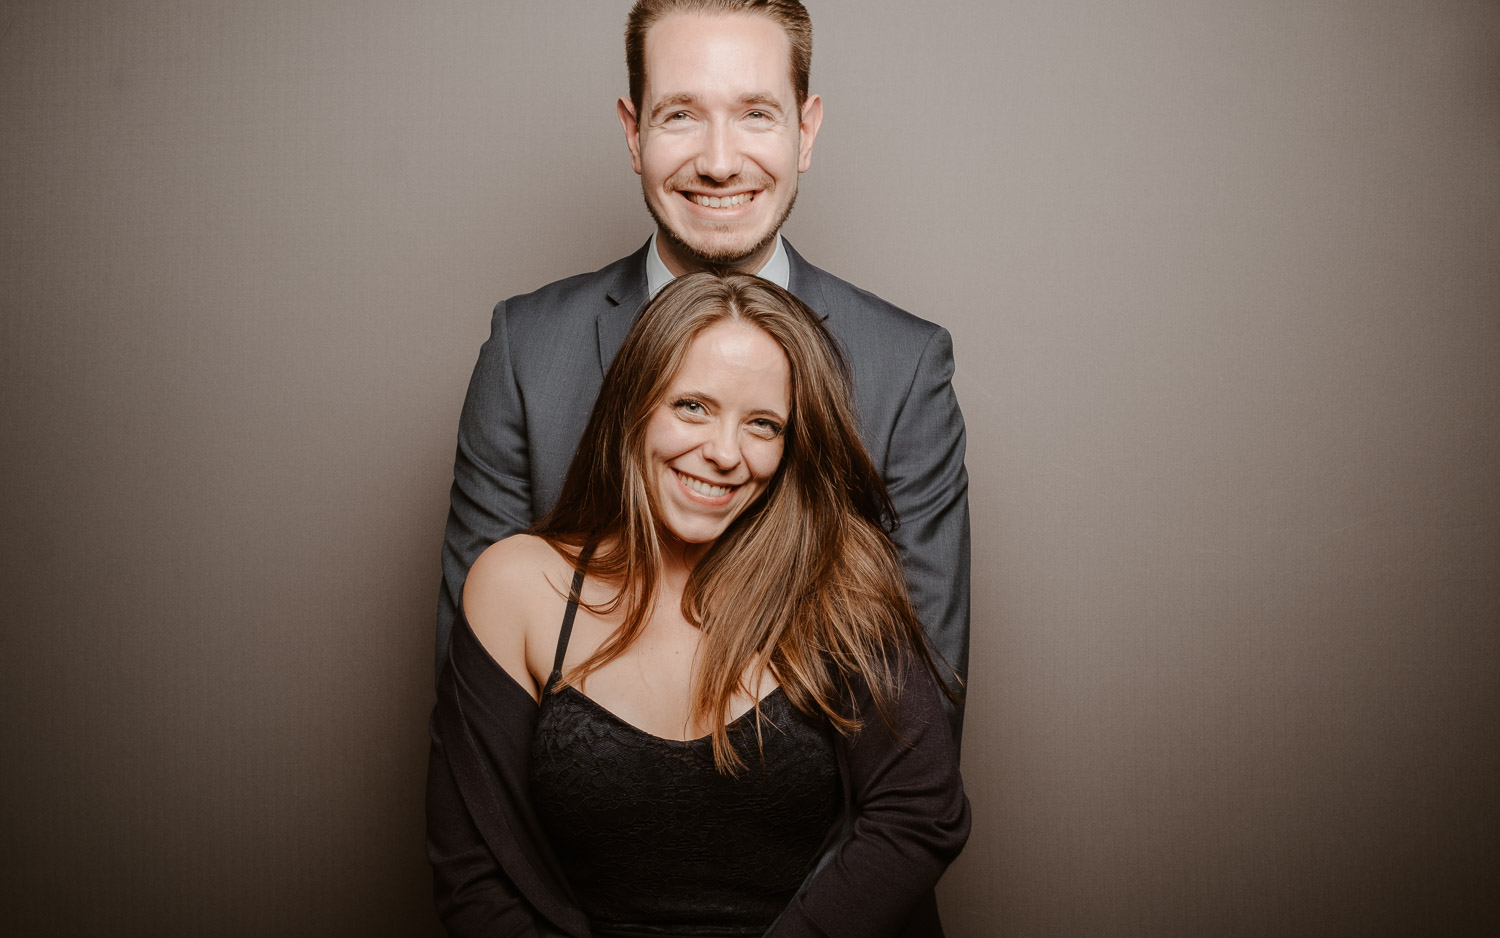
579	295
859	308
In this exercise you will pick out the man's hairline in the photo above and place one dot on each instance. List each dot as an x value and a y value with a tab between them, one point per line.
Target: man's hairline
705	13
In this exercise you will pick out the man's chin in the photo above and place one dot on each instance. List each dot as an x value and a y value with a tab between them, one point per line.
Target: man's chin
728	253
721	252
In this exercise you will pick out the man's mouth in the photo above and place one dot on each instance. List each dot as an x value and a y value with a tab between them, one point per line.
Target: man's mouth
715	201
704	488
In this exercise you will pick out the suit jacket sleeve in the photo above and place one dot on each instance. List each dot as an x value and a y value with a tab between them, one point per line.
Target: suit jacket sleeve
910	819
491	494
929	488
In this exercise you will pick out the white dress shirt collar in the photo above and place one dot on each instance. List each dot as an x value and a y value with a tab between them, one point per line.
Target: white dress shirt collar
778	269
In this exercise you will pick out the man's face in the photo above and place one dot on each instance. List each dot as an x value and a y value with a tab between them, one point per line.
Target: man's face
720	140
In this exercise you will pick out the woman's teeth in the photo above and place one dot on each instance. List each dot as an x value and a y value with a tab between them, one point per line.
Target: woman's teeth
703	488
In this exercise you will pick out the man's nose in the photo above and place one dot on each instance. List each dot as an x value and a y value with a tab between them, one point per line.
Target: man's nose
721	156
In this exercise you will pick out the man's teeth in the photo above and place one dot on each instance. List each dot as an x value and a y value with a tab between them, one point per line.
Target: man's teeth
703	488
728	201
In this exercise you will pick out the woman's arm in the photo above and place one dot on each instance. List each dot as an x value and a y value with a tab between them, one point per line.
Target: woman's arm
911	819
473	895
492	871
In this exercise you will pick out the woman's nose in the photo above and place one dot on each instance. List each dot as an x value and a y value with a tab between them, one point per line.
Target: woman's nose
722	449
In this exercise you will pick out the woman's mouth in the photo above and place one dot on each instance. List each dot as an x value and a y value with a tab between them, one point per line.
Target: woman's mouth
706	489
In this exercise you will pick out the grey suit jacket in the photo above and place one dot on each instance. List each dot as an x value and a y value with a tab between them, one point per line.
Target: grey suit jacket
538	375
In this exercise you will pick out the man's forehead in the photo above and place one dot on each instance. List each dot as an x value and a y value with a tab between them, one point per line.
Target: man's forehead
688	47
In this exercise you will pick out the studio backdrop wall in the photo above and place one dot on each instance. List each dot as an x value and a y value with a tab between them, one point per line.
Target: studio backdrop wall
1224	282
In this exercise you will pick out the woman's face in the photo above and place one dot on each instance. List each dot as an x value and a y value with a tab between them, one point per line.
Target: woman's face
715	440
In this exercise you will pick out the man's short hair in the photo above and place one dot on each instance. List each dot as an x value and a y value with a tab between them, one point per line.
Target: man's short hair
790	15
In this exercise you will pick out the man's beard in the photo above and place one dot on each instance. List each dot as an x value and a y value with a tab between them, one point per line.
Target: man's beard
721	258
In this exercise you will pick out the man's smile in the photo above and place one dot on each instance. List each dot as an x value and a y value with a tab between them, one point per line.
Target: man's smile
715	201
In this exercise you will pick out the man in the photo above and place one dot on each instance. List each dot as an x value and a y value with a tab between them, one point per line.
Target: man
720	125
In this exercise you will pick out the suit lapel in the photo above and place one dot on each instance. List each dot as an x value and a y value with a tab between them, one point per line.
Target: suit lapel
805	283
625	296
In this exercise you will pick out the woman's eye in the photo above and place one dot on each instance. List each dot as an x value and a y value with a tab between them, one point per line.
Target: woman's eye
767	427
689	406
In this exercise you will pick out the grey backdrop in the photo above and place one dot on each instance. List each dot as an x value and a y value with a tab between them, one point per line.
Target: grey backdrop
1225	283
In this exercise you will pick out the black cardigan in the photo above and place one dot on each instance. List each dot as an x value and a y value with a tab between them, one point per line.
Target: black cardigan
494	875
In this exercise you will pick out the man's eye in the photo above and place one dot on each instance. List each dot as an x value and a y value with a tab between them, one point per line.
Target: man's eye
678	115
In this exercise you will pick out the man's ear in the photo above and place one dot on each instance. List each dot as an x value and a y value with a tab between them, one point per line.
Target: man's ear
812	119
626	110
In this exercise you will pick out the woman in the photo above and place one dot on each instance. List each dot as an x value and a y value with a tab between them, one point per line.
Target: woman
695	700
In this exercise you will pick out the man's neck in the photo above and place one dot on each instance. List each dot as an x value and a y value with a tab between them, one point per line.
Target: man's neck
777	267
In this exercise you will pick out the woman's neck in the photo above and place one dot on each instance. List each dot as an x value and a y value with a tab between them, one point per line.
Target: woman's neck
678	559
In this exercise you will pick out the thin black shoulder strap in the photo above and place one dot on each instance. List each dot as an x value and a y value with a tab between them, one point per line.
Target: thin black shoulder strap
567	624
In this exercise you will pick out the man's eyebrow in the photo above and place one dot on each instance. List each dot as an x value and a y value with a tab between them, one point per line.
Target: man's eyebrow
763	98
669	101
678	99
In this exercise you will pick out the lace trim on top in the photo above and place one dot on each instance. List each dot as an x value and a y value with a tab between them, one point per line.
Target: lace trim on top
654	839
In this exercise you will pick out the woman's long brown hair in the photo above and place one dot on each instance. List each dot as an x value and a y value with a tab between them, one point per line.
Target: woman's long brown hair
806	580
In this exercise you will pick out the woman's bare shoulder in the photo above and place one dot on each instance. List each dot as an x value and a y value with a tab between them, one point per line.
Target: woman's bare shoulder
514	560
512	590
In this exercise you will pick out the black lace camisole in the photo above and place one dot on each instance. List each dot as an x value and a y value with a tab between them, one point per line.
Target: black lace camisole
654	839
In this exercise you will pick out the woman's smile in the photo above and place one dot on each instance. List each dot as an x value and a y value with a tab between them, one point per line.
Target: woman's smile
706	489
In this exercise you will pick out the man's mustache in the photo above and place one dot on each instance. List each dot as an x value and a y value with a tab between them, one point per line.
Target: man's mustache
738	183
